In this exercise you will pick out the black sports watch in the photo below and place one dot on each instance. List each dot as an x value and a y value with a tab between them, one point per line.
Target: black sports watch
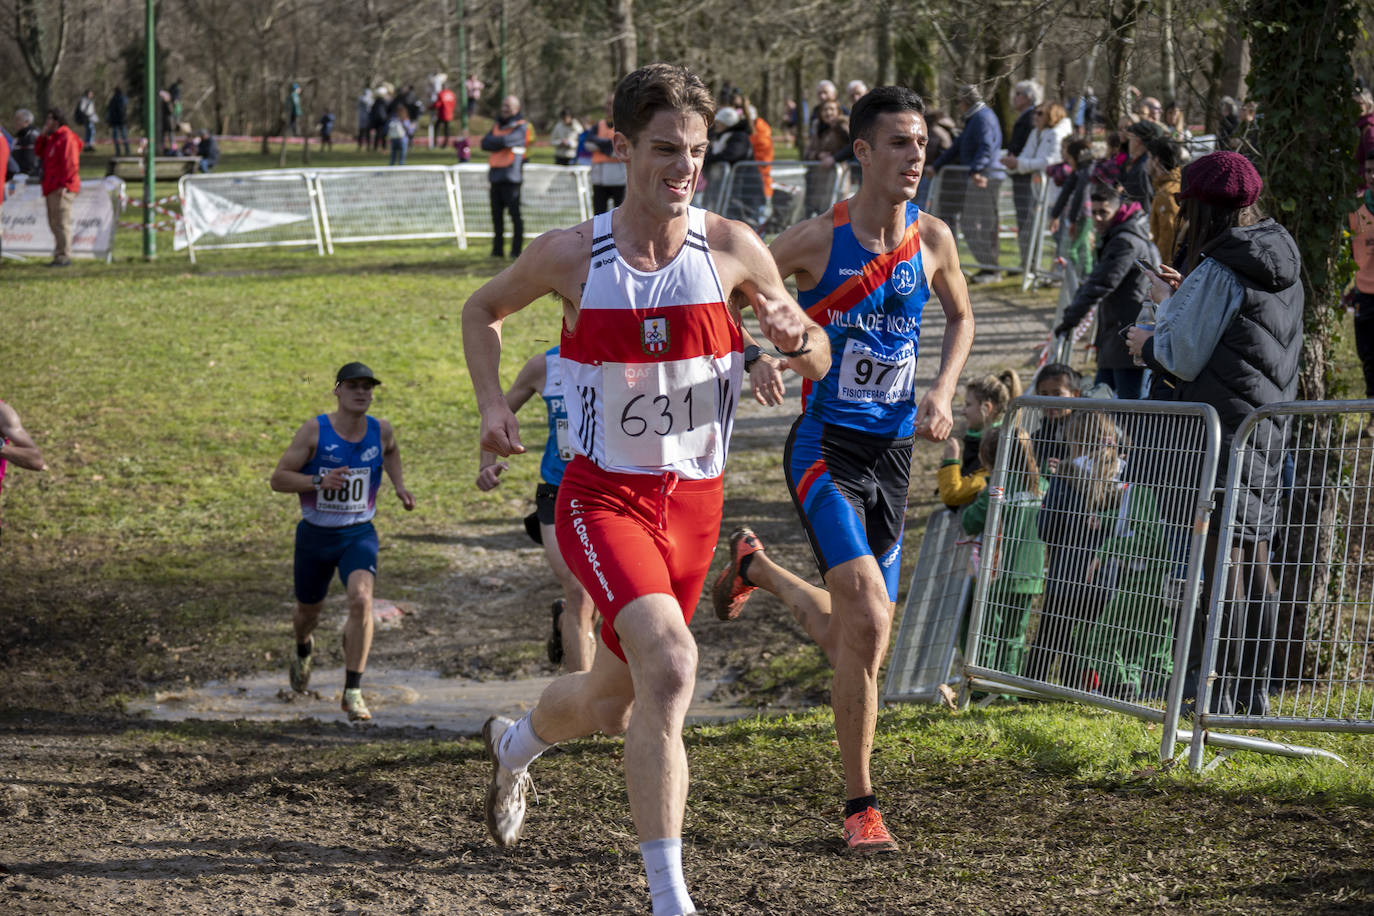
751	356
800	351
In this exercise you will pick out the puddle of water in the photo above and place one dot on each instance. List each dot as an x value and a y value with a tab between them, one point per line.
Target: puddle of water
397	698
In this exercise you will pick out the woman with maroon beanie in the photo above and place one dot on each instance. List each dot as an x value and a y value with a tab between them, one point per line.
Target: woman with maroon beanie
1229	334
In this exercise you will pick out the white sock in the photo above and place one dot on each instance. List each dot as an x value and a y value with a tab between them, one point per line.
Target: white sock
667	888
520	746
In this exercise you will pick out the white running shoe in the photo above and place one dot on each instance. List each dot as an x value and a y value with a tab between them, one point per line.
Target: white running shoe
505	806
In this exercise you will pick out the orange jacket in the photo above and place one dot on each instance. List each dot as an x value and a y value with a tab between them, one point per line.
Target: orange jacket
762	141
604	131
505	156
60	153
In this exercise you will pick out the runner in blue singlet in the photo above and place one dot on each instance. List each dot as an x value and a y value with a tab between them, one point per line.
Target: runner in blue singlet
864	272
335	463
572	640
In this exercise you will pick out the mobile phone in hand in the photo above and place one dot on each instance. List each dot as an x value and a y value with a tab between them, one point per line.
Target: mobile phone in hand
1148	268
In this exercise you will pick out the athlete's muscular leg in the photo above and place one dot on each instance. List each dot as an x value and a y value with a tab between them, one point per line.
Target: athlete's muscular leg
358	628
306	618
809	605
861	623
654	691
575	623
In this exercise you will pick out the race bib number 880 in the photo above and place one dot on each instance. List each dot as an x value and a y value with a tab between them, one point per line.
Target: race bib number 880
660	413
865	376
352	498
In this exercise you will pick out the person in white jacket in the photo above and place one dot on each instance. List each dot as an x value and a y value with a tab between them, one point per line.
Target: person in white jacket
1042	150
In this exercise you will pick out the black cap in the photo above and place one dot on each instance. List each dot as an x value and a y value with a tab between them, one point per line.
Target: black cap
1147	130
356	370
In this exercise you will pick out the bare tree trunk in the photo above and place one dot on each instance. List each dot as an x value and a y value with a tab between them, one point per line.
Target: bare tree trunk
1121	31
624	42
1170	66
1236	58
42	54
882	27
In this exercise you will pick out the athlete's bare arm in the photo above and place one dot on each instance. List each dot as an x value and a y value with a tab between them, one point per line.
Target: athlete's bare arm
20	448
287	478
747	268
391	463
528	382
935	414
803	250
555	262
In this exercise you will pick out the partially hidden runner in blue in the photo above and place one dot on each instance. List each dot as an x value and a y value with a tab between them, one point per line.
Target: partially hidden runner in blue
335	462
864	272
572	641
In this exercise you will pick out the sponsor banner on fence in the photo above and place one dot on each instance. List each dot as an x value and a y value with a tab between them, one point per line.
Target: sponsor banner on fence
207	213
24	218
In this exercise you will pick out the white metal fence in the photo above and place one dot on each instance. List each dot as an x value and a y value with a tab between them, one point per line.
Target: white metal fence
1097	556
1290	630
319	207
927	644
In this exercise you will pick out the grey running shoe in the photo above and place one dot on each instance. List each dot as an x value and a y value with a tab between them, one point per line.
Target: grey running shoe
300	670
505	805
355	707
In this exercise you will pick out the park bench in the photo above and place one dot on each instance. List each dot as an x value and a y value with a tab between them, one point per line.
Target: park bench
165	168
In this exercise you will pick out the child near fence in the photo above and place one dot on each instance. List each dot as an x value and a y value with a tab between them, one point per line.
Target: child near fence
1078	485
1054	380
1127	649
1016	557
985	400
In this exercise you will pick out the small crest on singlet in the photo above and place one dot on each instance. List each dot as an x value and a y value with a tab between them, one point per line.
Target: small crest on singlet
653	335
904	278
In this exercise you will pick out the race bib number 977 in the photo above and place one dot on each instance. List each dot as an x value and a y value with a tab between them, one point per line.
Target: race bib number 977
866	376
660	413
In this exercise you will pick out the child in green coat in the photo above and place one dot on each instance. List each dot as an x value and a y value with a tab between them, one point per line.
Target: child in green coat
1017	553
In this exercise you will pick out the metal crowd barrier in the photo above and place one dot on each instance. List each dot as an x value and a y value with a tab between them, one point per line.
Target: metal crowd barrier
924	652
1096	517
1289	640
319	207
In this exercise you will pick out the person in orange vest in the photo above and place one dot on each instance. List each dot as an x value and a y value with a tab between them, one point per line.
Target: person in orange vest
60	152
608	173
507	141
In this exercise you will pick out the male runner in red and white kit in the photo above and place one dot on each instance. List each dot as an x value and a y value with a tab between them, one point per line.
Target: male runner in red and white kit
865	271
652	363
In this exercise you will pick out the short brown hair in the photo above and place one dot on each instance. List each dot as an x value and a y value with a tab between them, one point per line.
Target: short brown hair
654	88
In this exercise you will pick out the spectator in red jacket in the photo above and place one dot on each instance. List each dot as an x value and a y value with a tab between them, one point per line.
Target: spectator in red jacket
60	152
445	104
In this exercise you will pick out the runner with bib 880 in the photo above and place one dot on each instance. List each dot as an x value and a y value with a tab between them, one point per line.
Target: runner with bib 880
651	355
864	271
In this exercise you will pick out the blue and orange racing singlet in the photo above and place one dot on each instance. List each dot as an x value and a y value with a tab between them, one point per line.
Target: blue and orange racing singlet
870	305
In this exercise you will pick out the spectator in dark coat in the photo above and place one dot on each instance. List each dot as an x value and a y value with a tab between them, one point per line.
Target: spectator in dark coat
1025	97
1135	178
1117	287
1230	335
208	151
22	151
972	195
117	117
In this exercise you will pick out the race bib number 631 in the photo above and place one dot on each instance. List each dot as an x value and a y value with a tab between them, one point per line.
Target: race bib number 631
660	413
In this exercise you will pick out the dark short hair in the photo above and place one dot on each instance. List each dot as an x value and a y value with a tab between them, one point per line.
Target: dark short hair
1369	156
863	119
1101	191
58	115
654	88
